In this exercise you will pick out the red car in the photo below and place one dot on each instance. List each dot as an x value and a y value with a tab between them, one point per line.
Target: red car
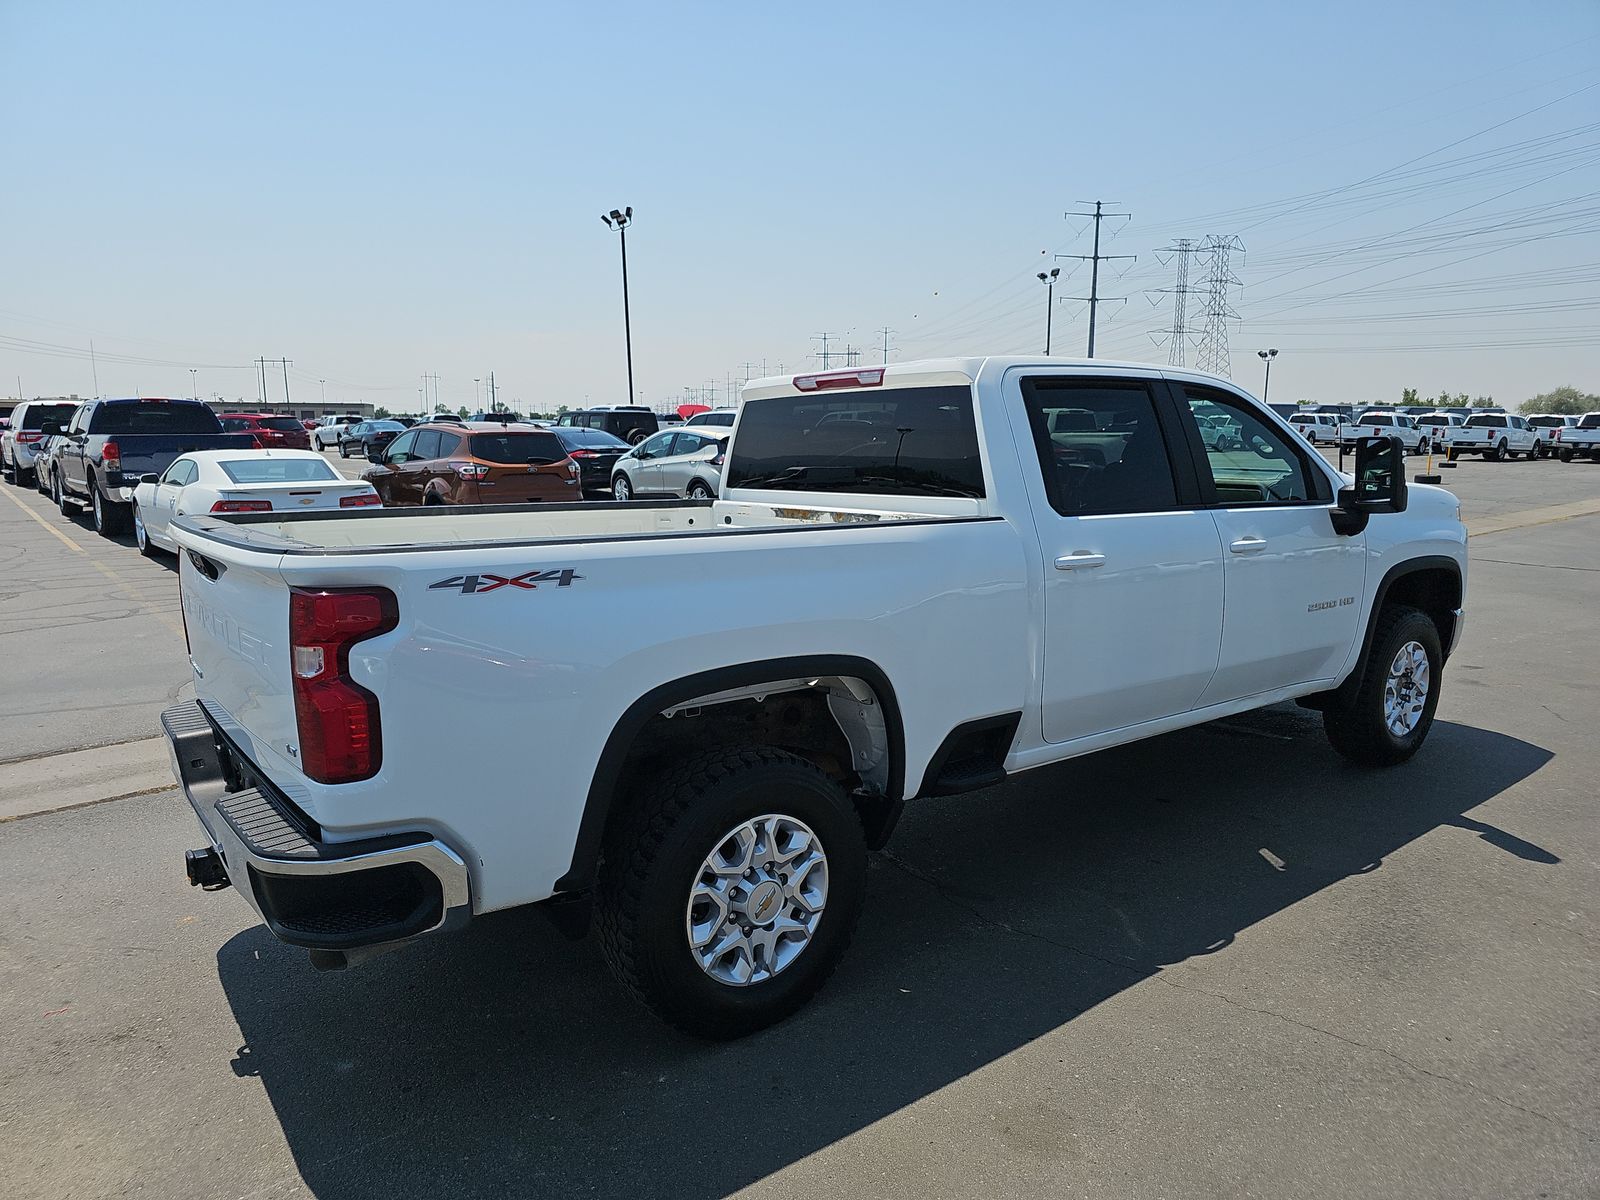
271	431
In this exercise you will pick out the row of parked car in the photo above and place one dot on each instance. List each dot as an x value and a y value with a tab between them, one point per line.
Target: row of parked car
137	463
1495	434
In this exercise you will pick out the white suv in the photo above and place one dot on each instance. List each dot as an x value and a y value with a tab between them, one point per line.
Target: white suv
20	444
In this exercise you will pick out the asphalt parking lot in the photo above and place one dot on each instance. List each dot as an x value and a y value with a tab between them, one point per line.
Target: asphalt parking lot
1220	963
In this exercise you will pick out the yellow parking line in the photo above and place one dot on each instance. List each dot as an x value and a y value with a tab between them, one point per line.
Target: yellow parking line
1479	526
48	528
110	573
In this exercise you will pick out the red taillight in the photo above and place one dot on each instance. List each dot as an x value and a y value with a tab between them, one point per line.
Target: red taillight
337	718
839	379
112	455
358	501
582	454
720	458
470	470
30	437
225	506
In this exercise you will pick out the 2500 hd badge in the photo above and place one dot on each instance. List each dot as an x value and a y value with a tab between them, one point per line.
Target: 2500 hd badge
477	585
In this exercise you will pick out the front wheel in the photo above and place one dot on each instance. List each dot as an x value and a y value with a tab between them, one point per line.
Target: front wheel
731	892
1537	452
343	453
1387	717
68	507
141	535
621	489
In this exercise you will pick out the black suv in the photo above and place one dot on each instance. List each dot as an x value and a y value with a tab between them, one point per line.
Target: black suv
631	424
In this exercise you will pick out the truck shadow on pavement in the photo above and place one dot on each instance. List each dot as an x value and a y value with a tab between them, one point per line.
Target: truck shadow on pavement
503	1061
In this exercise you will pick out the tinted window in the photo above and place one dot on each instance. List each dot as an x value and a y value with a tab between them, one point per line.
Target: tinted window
152	416
430	443
35	415
1375	419
234	424
517	447
898	442
1486	422
656	446
282	424
277	470
1260	466
403	447
1433	419
1546	422
591	439
1590	421
712	418
1099	446
375	426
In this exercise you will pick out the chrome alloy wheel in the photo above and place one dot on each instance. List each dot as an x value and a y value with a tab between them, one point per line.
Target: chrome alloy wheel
757	899
140	537
1405	691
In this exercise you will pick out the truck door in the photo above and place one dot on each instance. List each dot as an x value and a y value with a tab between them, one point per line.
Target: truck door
1294	586
1132	565
73	471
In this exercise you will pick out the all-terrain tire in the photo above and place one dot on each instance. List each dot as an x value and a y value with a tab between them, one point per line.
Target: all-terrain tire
1356	724
654	854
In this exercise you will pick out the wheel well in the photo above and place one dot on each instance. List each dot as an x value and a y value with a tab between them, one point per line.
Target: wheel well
1436	591
838	713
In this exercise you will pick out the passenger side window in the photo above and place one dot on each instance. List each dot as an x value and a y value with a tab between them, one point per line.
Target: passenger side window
1256	463
1100	447
429	444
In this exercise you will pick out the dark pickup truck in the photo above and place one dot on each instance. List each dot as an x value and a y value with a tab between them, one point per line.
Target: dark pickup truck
96	460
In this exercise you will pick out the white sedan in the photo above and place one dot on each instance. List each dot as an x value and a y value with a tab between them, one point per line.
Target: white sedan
232	481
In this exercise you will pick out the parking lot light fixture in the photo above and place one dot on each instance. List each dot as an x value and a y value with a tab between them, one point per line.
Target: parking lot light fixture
620	220
1266	356
1049	280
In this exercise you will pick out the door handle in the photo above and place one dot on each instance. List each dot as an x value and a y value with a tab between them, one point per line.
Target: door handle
1248	545
1079	559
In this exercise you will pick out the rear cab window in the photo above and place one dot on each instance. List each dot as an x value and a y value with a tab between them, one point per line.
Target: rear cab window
154	417
1486	421
910	441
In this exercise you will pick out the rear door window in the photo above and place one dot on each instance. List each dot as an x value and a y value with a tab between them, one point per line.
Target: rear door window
430	444
1100	446
917	441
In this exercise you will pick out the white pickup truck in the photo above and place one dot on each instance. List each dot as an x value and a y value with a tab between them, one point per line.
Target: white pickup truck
1582	438
1387	424
1497	436
407	718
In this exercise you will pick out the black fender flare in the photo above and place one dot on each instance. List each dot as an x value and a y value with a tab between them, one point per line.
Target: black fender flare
580	874
1411	566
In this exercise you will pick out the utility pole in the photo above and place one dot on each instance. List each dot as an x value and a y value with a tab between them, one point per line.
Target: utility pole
825	354
1099	214
285	363
494	395
886	333
261	382
425	380
94	365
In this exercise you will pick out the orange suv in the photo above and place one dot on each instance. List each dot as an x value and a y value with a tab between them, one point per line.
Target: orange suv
473	462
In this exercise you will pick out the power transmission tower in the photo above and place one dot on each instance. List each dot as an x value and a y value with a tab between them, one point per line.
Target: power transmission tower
1179	332
425	381
886	333
261	374
1094	297
1214	355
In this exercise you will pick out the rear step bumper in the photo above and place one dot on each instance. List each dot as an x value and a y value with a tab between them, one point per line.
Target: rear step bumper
333	898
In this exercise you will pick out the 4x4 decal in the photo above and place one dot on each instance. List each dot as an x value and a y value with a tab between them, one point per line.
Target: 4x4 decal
477	585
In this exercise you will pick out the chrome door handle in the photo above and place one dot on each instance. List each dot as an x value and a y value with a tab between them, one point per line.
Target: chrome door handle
1248	545
1080	558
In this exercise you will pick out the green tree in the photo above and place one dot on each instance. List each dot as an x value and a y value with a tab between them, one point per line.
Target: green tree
380	412
1409	396
1563	400
462	412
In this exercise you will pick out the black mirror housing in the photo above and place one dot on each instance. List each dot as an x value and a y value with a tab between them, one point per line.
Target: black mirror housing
1380	484
50	428
374	455
149	477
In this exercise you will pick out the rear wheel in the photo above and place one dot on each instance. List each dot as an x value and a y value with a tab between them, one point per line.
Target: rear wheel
1501	452
1451	455
7	471
1387	718
621	489
110	516
731	890
700	491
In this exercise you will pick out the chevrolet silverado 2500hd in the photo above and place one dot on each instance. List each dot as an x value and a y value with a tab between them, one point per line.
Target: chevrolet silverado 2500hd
916	580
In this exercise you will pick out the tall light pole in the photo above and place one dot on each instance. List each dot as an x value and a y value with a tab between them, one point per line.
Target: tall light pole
1049	282
620	220
1266	356
194	382
323	383
477	393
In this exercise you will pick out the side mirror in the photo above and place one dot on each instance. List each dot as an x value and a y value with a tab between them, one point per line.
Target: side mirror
50	428
1380	484
374	455
149	478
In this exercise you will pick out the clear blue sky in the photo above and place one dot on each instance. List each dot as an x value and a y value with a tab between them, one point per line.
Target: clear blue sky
377	191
